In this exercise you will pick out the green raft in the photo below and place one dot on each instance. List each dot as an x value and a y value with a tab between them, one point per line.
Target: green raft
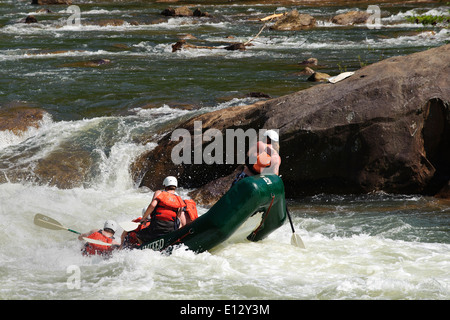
251	209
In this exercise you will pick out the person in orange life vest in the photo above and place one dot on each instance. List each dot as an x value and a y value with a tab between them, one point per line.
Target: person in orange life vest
106	235
189	213
262	158
129	239
164	211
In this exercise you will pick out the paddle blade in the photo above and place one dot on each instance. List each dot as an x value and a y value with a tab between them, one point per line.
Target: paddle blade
340	77
129	225
297	241
101	243
47	222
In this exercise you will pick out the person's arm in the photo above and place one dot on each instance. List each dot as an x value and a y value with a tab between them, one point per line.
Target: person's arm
150	207
275	164
254	151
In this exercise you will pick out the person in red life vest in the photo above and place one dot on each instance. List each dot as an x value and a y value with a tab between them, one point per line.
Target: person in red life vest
189	213
164	210
105	235
129	239
262	158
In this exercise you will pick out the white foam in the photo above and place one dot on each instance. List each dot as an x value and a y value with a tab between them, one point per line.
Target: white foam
9	138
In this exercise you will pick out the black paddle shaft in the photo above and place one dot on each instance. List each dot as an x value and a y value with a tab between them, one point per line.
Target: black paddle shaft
290	219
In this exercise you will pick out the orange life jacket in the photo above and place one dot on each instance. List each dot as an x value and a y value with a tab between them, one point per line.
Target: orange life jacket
168	205
131	238
191	209
92	248
141	226
263	160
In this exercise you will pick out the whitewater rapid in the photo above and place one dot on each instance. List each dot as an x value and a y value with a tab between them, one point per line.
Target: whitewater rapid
373	247
343	259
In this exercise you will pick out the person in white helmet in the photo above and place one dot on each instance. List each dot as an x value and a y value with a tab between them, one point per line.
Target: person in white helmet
164	211
263	157
105	235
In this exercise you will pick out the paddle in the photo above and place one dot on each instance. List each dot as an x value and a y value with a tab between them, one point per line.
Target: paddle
295	239
49	223
129	225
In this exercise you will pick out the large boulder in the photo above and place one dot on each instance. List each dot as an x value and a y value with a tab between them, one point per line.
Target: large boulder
386	128
151	168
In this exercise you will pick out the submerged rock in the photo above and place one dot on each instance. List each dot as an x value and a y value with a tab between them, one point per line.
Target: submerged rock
178	12
307	71
18	117
294	21
310	62
65	168
386	128
30	19
198	13
351	17
108	22
235	46
318	77
184	12
50	2
44	10
88	64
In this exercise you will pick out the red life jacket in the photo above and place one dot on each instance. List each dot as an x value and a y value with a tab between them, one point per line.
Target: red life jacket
92	248
191	209
141	226
131	238
168	205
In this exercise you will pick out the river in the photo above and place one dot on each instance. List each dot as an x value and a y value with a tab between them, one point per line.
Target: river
375	246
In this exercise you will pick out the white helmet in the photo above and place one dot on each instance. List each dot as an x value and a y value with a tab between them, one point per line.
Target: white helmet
110	224
170	181
272	134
